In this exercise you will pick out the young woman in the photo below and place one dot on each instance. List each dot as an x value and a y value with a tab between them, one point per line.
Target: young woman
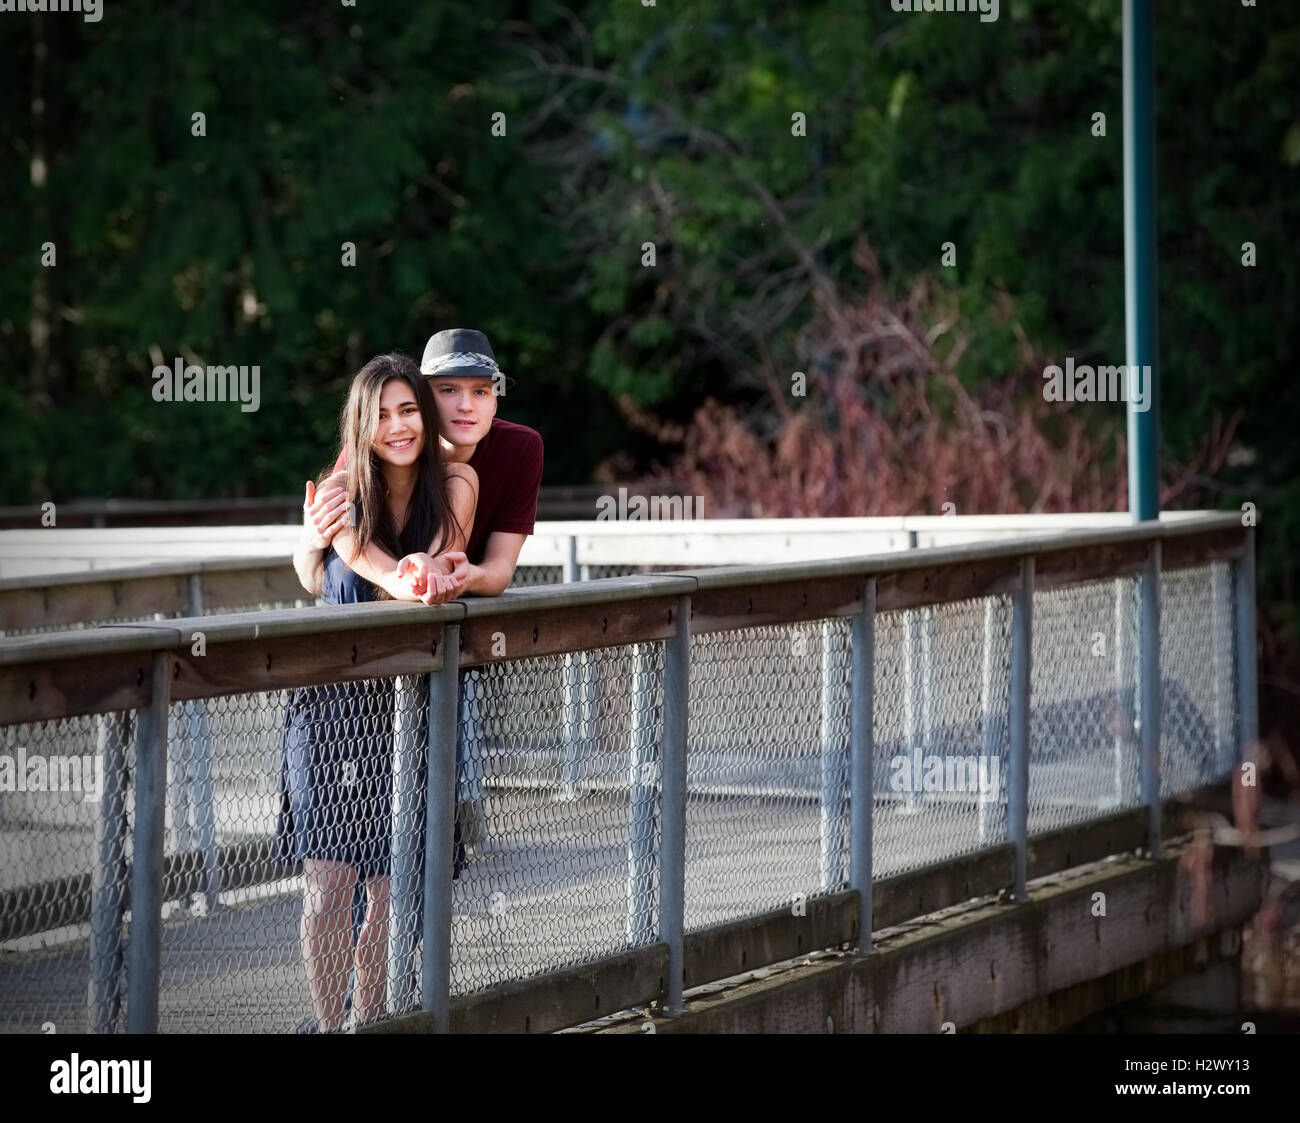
336	777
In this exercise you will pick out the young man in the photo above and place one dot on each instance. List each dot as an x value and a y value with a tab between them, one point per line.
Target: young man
462	372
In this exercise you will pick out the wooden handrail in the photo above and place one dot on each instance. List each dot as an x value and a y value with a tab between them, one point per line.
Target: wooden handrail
104	669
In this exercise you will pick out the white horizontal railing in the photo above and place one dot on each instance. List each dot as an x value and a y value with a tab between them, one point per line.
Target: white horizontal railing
45	552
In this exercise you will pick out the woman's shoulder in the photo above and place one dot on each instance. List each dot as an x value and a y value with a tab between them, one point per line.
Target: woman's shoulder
462	472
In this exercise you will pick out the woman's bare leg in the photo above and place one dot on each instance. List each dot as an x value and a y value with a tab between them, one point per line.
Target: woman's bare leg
371	994
326	935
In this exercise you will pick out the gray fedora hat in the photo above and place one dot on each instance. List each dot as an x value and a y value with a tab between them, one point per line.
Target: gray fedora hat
461	353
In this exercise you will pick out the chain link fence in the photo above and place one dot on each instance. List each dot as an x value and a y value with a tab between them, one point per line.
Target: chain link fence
295	818
558	786
527	576
66	820
1083	730
1198	720
942	750
767	769
315	799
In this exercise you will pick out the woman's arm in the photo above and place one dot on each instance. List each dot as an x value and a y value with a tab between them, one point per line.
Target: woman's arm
374	564
434	578
380	568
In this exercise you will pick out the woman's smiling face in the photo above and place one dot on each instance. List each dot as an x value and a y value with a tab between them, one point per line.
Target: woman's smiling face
399	434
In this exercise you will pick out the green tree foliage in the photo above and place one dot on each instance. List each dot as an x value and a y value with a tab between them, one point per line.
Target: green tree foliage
324	125
627	124
931	128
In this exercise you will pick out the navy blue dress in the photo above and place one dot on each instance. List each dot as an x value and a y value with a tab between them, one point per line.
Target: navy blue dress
336	775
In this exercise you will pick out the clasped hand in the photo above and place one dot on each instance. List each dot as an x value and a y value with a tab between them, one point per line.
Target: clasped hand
433	580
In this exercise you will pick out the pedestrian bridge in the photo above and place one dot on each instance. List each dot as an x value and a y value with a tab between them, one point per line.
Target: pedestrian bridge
683	776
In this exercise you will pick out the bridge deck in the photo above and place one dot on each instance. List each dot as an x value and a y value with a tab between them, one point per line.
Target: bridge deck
240	968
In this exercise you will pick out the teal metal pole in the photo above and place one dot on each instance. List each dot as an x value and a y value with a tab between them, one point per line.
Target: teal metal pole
1143	378
1140	261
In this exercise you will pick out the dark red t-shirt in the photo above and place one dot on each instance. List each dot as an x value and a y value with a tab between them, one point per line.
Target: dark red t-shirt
509	466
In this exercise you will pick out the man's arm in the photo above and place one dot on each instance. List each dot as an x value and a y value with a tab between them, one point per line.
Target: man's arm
306	564
501	551
491	576
325	513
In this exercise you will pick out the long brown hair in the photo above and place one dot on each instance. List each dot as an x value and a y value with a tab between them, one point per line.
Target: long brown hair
429	518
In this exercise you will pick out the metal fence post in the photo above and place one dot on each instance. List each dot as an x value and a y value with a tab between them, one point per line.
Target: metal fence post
205	805
1125	688
672	844
573	727
410	698
108	890
439	832
1149	702
832	766
1247	697
1224	670
198	729
1022	653
912	703
930	709
643	788
192	787
576	711
471	760
861	745
179	839
194	595
145	942
992	804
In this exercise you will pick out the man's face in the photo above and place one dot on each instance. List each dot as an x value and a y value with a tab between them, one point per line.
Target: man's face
466	407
